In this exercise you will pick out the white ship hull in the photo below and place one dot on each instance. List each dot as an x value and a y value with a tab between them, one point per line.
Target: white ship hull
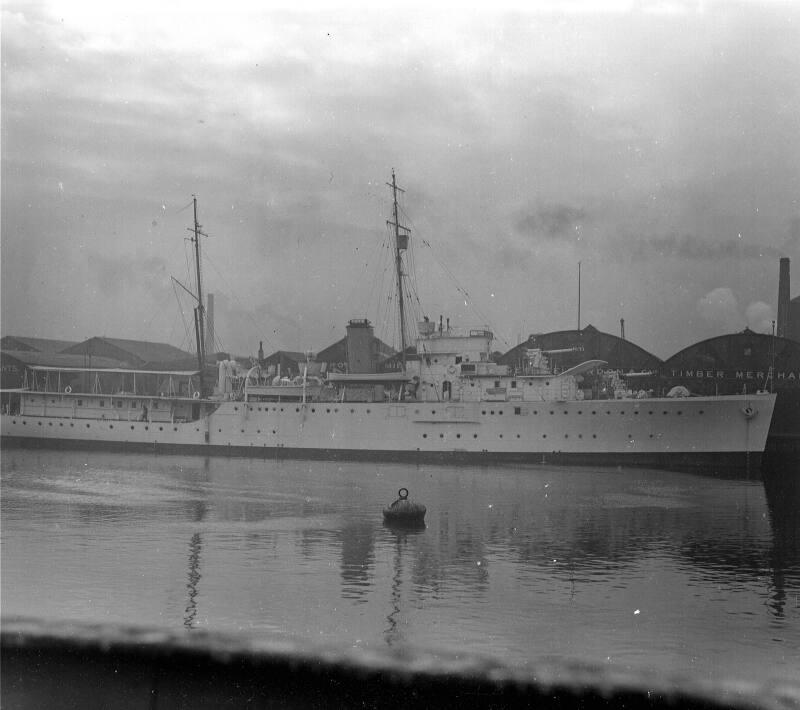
686	432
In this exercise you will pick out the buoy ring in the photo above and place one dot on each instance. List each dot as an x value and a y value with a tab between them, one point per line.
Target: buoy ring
452	369
749	412
196	395
68	389
402	493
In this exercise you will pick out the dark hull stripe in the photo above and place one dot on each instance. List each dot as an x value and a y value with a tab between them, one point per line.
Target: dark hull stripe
705	462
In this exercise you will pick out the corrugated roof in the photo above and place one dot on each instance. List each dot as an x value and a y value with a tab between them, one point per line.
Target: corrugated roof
42	345
29	357
141	350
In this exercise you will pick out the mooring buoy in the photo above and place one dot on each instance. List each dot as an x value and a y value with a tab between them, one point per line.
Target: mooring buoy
404	511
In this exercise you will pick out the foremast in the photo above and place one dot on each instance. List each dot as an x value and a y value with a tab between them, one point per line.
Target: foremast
199	311
401	244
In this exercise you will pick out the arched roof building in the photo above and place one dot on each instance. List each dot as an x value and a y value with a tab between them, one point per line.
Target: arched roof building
585	344
745	361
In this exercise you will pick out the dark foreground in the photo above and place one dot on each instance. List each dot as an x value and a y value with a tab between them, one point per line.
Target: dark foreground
91	666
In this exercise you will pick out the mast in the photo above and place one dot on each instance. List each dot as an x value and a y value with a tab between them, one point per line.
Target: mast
199	311
401	242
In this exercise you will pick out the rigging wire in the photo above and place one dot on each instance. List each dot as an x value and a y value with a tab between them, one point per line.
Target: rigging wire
468	300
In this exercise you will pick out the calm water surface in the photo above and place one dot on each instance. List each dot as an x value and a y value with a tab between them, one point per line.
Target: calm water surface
634	568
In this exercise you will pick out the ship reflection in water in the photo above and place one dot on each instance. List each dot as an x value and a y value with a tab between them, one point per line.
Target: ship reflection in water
632	568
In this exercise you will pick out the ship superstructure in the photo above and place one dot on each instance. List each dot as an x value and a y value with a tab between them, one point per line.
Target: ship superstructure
446	401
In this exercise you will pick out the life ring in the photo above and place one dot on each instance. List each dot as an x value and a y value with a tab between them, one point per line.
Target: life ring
749	412
452	369
196	395
68	389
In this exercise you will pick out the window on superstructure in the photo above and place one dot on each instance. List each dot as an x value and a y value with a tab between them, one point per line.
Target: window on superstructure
513	384
497	383
102	403
458	359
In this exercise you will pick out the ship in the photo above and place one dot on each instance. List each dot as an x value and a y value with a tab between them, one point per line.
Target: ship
445	401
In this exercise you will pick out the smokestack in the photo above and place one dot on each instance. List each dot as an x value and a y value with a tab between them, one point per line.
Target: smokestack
210	321
783	298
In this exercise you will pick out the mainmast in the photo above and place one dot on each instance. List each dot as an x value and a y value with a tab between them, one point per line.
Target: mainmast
199	311
401	243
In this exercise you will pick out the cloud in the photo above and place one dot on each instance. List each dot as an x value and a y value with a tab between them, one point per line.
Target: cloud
760	317
690	247
720	308
555	221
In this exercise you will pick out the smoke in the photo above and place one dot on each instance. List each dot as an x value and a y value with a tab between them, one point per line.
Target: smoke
760	317
720	308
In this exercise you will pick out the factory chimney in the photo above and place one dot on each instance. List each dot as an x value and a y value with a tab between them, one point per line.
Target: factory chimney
210	321
783	298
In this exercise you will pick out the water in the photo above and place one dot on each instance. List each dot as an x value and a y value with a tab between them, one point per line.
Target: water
633	568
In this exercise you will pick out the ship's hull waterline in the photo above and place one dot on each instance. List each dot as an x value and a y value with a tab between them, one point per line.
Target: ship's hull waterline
697	432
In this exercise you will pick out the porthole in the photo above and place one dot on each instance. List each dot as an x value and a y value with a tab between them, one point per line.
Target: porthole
458	436
87	426
535	411
353	411
147	428
650	412
501	436
580	436
236	409
580	412
544	436
424	436
110	426
474	436
242	431
161	428
483	412
622	413
368	411
679	412
71	424
492	412
132	427
700	412
313	410
566	436
328	411
552	412
40	424
59	424
594	411
441	436
594	436
297	409
566	412
175	428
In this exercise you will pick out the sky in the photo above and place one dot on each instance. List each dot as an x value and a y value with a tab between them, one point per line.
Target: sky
655	143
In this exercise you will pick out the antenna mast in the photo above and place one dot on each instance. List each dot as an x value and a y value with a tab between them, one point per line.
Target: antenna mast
401	243
199	311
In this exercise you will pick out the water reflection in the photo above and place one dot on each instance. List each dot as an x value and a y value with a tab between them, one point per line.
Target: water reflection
399	537
782	488
195	547
358	557
561	555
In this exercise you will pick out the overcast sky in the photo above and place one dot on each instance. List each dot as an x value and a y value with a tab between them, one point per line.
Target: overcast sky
656	143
